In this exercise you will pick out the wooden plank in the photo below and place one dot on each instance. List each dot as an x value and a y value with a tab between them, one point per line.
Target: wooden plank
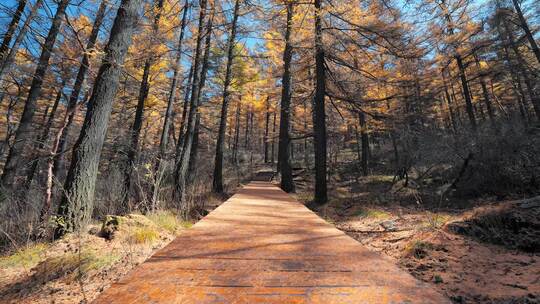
262	246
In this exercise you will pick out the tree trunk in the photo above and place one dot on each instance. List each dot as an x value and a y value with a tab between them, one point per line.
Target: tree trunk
77	87
319	121
365	142
7	62
525	27
76	205
11	29
192	167
466	92
22	135
172	91
272	148
182	163
193	156
185	107
144	89
217	182
42	139
284	150
535	99
236	132
266	130
485	92
448	103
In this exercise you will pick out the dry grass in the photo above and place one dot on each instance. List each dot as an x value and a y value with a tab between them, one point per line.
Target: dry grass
78	264
26	257
372	213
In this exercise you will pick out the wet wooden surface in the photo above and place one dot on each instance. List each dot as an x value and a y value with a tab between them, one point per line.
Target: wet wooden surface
262	246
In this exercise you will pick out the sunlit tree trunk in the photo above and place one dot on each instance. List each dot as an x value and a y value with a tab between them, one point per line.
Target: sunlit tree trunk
182	160
76	204
284	150
174	84
217	183
526	29
133	145
7	62
22	135
8	35
76	91
42	138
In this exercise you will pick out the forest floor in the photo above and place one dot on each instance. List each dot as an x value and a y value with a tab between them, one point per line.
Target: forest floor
486	253
78	267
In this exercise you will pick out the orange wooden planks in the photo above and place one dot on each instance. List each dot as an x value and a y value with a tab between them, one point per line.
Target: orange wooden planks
262	246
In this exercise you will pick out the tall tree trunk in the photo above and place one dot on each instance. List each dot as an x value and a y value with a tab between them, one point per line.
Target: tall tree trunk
217	182
182	162
272	148
77	87
42	138
144	89
266	130
306	151
461	67
193	156
169	112
11	29
76	205
236	132
192	167
246	129
7	62
535	99
365	142
319	115
185	107
448	103
172	91
284	150
485	92
525	27
22	135
466	92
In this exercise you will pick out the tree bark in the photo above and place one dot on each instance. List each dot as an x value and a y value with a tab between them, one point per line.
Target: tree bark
42	139
365	142
319	115
11	29
172	91
7	62
266	130
77	87
535	99
485	92
22	135
76	204
182	163
135	133
217	182
525	27
284	149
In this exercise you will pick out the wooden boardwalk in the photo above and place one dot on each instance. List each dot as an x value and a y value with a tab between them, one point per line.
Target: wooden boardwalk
262	246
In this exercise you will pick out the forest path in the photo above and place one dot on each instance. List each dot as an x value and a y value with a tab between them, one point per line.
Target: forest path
262	246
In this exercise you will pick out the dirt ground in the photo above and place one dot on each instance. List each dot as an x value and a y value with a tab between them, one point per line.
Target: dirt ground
485	254
77	268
